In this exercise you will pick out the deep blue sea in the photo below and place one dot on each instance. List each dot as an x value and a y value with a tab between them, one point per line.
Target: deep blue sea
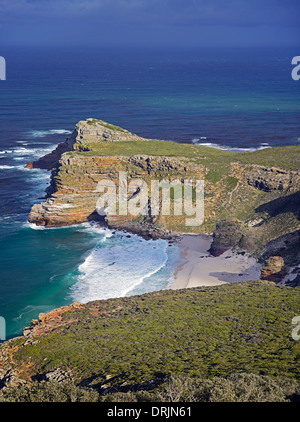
240	99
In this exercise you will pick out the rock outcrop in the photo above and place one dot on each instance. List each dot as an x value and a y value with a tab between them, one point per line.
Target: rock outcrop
266	178
48	161
15	375
49	321
274	269
73	192
86	133
254	204
228	234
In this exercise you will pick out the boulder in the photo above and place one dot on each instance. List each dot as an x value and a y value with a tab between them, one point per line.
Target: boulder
274	269
227	235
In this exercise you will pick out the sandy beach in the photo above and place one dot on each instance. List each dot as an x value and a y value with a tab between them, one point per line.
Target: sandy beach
199	268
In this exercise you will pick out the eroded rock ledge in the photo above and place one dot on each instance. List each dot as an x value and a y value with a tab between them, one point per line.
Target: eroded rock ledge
86	132
251	204
266	178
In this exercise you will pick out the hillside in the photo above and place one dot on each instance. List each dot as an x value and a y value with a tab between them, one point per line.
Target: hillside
136	343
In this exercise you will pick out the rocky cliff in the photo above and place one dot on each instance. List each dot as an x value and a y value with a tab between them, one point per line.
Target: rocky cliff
267	178
261	198
85	134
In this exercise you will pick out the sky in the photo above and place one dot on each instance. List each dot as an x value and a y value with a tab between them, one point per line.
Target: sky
150	22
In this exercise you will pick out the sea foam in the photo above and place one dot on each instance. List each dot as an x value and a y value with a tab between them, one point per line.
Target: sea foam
43	133
197	141
117	265
34	152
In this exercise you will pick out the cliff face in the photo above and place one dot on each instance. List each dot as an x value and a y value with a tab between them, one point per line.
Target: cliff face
86	133
260	198
266	178
73	195
73	192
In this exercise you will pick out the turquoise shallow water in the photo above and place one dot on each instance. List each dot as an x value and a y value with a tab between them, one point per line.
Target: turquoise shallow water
33	263
58	266
42	269
226	98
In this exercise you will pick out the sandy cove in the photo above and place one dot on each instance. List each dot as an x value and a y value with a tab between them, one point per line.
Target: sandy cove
202	269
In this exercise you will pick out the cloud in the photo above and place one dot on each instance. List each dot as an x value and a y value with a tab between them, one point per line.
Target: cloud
138	20
176	12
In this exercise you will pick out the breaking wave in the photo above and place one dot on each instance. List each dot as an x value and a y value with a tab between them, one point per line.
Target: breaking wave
43	133
199	141
120	265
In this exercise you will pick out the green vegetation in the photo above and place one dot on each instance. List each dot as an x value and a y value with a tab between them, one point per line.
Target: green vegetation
147	147
143	340
235	388
287	158
51	391
231	183
92	122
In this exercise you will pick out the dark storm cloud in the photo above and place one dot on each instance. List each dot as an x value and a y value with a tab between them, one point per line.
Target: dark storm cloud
177	20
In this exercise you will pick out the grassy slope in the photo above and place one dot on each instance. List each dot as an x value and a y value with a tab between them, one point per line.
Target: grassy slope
243	327
287	158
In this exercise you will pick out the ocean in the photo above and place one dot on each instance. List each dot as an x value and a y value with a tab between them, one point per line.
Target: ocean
228	99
